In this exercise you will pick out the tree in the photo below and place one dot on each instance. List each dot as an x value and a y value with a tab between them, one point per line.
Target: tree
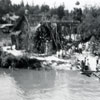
60	12
5	6
15	8
31	9
27	6
45	8
66	17
21	10
53	11
77	14
90	24
36	9
22	3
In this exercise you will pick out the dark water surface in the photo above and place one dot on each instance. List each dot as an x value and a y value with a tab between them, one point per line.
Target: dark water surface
47	85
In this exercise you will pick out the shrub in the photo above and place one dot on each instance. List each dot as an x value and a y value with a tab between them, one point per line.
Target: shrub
7	60
22	62
34	64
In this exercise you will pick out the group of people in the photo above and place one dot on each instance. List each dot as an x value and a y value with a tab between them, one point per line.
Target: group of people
85	65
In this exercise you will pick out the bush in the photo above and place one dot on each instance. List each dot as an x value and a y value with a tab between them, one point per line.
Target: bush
7	60
34	64
22	62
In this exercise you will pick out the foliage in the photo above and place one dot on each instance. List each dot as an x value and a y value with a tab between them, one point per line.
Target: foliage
42	34
45	8
60	12
90	24
89	19
5	7
34	64
77	14
9	60
53	11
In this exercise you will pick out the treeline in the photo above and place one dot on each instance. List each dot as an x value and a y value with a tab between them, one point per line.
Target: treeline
89	17
6	6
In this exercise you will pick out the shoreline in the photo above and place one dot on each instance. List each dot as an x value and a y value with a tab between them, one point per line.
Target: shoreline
45	61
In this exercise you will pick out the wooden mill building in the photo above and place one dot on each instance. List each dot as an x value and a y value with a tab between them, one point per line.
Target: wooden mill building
20	34
49	33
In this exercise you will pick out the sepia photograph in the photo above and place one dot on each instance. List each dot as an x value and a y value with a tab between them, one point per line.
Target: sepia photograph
49	49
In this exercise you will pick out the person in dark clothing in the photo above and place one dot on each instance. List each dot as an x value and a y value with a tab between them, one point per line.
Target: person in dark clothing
82	65
87	65
97	64
97	61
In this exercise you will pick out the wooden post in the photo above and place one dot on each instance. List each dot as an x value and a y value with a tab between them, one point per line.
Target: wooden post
46	47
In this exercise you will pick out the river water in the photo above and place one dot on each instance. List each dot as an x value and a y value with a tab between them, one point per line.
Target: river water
47	85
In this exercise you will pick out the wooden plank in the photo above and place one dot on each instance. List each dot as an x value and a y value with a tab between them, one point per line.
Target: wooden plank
96	75
89	73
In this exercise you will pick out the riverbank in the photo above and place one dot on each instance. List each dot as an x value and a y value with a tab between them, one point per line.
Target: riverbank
91	59
12	58
20	59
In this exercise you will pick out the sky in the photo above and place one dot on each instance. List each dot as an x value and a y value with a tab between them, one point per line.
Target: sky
69	4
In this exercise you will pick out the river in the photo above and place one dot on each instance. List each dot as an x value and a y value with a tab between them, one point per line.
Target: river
47	85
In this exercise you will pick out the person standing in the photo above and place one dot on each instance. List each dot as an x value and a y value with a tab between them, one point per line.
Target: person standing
97	64
87	65
82	65
80	48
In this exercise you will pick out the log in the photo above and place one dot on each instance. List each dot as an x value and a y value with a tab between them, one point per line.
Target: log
96	75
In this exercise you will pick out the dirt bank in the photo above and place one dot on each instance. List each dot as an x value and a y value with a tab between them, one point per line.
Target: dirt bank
52	61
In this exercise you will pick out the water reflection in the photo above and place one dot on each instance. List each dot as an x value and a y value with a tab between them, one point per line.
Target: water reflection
9	90
47	85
